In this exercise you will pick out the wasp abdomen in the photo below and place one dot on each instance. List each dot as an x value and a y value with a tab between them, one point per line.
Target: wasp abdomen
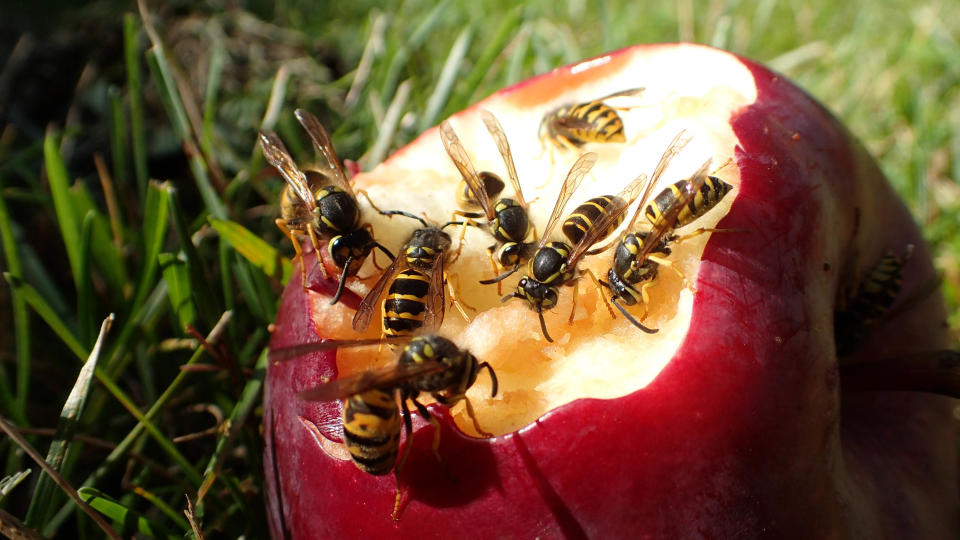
583	217
710	193
371	430
404	307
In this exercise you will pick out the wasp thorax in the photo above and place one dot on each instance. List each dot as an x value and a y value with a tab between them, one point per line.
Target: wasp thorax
338	210
549	262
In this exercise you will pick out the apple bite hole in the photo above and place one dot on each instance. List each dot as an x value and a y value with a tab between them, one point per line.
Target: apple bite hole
595	356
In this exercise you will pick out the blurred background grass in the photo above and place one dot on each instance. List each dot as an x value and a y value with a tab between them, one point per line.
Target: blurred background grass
130	183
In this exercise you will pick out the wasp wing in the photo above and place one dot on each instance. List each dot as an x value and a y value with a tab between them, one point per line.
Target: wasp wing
384	378
596	232
435	301
458	154
579	169
679	141
321	141
668	219
368	306
623	93
282	354
278	156
503	145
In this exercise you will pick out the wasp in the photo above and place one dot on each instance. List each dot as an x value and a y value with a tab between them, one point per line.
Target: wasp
554	263
508	219
572	126
861	310
324	207
416	276
639	254
371	416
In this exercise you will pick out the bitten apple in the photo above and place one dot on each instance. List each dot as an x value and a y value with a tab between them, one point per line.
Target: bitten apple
732	421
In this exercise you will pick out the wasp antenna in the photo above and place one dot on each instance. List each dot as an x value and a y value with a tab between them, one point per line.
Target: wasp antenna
343	281
501	277
634	321
493	378
543	326
391	213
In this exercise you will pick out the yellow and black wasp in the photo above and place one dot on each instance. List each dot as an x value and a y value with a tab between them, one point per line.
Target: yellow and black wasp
371	417
554	264
572	126
639	254
507	219
324	208
861	310
415	298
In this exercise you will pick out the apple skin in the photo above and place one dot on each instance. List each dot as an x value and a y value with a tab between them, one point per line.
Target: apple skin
745	433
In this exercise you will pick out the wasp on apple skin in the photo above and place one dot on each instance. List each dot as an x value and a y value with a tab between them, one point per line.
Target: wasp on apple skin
320	204
861	310
507	219
371	417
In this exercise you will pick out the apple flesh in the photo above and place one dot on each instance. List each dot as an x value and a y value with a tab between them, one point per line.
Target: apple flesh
731	422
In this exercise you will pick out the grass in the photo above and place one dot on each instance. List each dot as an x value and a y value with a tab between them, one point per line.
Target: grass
173	231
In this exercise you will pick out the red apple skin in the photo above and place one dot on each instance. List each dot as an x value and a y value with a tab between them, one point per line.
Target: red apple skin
745	433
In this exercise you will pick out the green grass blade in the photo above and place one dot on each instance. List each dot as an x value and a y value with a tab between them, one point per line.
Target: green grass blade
43	309
253	248
128	441
12	433
177	276
209	306
163	77
128	519
410	43
15	402
118	135
105	254
63	202
249	398
131	51
217	59
41	505
389	126
85	298
162	440
448	76
155	222
10	482
482	69
163	507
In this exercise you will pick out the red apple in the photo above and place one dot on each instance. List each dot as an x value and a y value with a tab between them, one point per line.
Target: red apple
732	421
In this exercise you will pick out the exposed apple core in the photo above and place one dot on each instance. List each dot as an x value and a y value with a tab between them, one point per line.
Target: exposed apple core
597	356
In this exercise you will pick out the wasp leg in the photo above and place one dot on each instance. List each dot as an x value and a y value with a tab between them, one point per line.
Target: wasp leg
407	446
282	225
494	267
473	418
369	200
573	306
454	301
316	248
667	263
606	302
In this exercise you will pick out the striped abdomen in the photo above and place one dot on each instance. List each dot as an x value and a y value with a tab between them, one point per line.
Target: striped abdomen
866	308
371	430
585	216
404	306
711	193
593	121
